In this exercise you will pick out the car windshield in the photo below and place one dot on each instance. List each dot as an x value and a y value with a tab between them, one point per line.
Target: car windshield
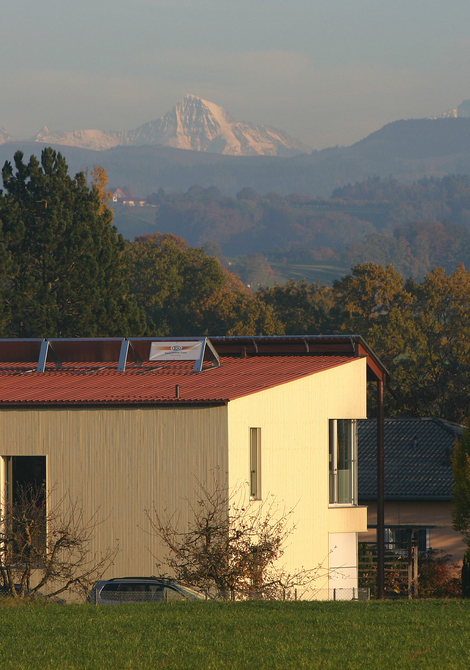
189	592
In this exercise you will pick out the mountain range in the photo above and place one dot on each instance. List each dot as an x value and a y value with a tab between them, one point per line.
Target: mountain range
406	149
194	124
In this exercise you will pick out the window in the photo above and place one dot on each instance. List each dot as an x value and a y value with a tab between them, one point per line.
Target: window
255	463
23	474
24	498
139	592
400	539
343	471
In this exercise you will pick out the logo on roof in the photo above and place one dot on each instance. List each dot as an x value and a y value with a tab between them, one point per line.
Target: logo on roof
175	351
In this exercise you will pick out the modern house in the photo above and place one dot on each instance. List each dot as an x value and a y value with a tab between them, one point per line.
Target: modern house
418	482
124	425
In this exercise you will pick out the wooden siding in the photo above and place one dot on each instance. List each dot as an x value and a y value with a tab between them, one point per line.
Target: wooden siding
293	419
118	462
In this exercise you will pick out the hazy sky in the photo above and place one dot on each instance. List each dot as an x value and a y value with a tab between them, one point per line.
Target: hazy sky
326	71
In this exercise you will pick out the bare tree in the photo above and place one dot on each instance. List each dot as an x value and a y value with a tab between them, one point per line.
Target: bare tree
46	549
232	546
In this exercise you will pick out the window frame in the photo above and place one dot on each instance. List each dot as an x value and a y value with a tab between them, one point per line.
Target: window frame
255	463
335	498
397	538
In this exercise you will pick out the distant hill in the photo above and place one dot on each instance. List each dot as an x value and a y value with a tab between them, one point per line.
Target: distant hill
419	138
408	150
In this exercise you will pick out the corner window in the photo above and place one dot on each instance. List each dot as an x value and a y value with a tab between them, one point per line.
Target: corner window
255	463
343	471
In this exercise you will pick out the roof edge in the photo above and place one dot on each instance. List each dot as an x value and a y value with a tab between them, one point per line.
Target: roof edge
422	498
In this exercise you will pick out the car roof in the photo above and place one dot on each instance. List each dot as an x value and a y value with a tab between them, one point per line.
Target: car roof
139	579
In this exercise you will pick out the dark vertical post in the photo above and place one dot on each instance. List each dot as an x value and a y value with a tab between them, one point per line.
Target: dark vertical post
380	492
409	548
415	568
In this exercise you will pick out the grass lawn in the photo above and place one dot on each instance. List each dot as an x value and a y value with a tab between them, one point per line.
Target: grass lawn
225	636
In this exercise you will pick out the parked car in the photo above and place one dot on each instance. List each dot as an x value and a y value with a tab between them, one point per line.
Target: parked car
140	590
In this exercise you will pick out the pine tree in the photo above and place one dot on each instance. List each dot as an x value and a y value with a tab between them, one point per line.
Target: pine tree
64	272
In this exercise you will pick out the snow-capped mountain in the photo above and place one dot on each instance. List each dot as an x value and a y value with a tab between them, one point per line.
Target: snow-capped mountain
462	110
5	137
195	124
87	139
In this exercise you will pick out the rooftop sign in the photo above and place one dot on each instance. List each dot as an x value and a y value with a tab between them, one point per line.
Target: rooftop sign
176	350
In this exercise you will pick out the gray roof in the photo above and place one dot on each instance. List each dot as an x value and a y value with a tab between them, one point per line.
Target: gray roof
417	458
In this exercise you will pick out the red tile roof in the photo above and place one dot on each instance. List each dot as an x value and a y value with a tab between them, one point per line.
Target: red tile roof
237	377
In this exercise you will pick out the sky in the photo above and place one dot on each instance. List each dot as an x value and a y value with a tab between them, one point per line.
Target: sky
326	72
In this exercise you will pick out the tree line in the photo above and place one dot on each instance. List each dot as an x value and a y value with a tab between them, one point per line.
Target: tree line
413	227
67	273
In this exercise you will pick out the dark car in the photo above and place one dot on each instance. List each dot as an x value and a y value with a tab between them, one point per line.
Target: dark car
140	590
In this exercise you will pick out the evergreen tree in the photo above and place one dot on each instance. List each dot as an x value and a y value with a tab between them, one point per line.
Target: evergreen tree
63	268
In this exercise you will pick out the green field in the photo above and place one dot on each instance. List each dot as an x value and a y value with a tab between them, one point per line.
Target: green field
323	272
259	635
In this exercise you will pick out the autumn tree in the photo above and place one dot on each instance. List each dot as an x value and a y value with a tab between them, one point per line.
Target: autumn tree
421	332
232	547
301	308
434	370
461	490
62	262
45	548
183	291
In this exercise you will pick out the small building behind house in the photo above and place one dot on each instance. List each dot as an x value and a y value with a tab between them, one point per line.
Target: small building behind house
418	483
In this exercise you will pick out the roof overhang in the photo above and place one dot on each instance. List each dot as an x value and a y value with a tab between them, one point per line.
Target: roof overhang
298	345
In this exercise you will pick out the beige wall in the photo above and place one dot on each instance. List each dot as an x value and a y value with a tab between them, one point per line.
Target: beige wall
294	435
119	462
437	516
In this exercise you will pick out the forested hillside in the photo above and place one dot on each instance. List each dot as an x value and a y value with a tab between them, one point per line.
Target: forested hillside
413	227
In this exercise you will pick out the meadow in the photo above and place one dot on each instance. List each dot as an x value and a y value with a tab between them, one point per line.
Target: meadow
231	636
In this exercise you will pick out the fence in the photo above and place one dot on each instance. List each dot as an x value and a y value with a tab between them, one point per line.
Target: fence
353	593
401	568
311	593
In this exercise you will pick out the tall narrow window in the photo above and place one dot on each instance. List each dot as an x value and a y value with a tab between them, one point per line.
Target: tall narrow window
343	471
24	474
24	502
255	463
